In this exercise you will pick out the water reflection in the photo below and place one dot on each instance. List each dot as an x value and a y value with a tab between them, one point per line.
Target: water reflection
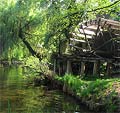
17	97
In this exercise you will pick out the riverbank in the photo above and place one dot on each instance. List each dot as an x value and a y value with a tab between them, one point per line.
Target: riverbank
98	94
10	62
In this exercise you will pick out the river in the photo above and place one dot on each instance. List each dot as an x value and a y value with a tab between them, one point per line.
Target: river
17	96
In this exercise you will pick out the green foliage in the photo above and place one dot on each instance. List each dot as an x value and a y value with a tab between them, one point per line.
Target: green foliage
32	62
35	66
20	14
96	91
110	102
95	87
43	21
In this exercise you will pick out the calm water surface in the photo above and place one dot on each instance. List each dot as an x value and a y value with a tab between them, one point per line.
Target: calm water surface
16	96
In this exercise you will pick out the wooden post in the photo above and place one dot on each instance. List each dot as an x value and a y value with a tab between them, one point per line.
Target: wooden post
79	67
108	69
99	71
82	68
83	45
68	71
55	65
64	67
59	68
95	68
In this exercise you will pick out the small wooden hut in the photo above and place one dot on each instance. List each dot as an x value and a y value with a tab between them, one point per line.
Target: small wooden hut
94	49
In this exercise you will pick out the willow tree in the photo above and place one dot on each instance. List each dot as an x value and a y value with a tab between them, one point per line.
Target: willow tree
21	20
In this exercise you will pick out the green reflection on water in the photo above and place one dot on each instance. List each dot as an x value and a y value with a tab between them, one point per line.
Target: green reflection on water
17	97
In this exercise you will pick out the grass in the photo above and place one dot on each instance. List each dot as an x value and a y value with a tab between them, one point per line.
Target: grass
95	92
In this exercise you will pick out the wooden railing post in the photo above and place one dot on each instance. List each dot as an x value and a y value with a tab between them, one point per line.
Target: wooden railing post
55	65
82	68
59	68
68	71
95	68
108	69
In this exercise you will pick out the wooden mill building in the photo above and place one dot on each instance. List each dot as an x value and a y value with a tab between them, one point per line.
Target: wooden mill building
93	49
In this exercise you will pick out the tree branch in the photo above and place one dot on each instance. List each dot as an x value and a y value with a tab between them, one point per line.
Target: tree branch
27	44
94	9
31	34
105	6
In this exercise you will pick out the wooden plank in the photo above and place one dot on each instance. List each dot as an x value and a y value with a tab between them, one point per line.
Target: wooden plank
73	39
91	28
112	22
87	32
82	35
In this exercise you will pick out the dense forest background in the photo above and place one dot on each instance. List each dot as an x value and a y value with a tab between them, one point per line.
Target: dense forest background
33	27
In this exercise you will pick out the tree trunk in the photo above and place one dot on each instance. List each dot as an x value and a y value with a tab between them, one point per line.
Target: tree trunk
27	44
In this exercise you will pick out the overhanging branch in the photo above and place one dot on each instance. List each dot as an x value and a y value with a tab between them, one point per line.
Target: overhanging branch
104	6
28	45
78	12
